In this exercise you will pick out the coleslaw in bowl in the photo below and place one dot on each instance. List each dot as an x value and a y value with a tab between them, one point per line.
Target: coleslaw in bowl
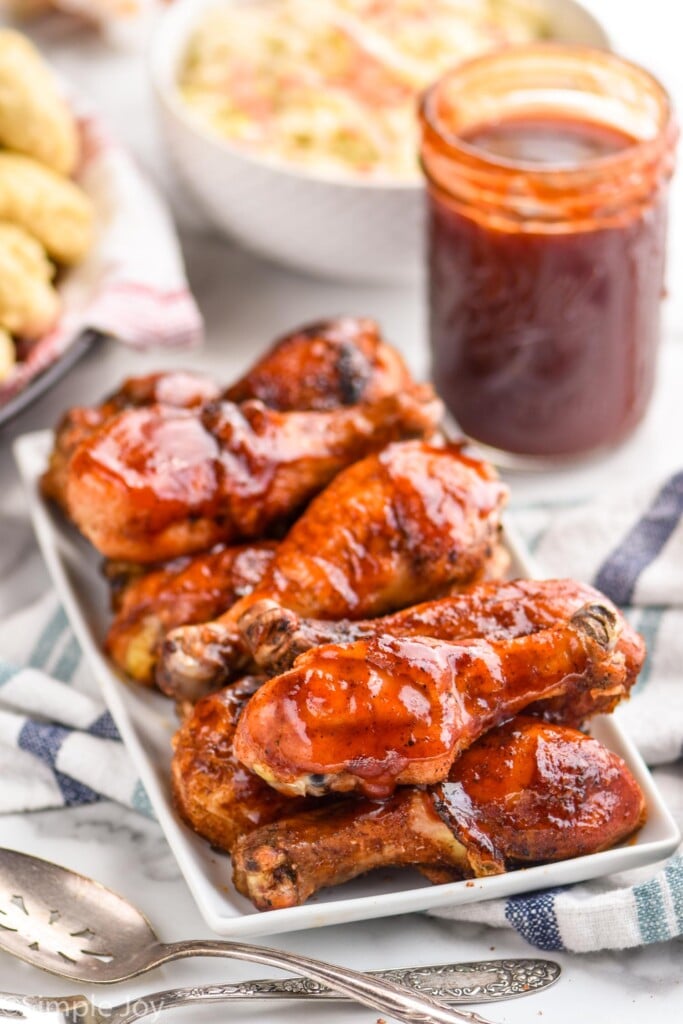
299	195
331	85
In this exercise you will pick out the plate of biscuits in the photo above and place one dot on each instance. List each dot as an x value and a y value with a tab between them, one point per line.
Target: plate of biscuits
47	220
78	225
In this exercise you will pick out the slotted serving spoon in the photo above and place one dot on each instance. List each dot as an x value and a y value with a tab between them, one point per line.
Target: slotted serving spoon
71	925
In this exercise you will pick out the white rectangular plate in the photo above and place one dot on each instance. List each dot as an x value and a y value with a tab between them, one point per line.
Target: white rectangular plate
146	722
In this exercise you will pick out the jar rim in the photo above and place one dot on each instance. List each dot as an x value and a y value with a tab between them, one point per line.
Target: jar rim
485	159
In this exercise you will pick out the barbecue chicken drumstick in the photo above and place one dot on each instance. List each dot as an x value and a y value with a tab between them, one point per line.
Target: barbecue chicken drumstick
149	602
213	793
184	591
152	484
323	366
387	711
275	635
370	543
527	792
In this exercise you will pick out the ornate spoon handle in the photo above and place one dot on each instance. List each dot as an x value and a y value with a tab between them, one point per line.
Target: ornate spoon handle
478	982
482	981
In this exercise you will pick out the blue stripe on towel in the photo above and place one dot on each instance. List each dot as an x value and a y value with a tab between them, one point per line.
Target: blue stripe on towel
618	575
68	662
47	639
673	872
648	626
74	792
104	727
651	911
42	740
534	918
140	801
45	741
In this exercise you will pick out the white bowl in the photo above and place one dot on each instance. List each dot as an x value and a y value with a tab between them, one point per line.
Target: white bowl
339	227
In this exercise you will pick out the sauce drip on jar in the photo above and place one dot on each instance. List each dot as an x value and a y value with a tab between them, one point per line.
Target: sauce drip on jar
546	260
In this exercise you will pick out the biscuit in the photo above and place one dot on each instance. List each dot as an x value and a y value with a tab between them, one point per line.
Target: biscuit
54	210
34	118
8	356
29	305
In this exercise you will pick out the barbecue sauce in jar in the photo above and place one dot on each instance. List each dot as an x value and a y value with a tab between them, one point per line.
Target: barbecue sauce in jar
547	174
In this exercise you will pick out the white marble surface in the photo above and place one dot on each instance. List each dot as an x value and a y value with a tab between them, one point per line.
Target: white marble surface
245	303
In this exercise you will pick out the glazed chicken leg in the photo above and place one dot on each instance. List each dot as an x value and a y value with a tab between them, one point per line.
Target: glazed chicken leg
323	366
275	635
155	483
528	792
370	543
387	711
150	601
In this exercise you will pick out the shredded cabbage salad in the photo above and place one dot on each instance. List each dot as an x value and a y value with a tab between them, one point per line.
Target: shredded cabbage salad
331	85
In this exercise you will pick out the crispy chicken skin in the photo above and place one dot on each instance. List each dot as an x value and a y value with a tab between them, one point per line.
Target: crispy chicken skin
185	591
276	635
154	483
319	367
285	863
370	543
177	388
527	792
323	366
386	711
213	793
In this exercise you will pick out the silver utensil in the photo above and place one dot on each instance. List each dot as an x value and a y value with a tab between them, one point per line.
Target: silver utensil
79	1010
481	981
71	925
477	982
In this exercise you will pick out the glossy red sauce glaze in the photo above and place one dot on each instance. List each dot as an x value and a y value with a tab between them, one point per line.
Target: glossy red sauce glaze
391	529
529	792
154	483
385	711
164	455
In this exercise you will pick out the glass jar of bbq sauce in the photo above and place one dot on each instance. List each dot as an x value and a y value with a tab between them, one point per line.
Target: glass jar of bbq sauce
547	169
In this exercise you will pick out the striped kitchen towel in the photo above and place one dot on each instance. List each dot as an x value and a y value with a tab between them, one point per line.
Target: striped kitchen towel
58	745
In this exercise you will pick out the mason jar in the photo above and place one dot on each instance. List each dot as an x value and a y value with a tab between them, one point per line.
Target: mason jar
547	169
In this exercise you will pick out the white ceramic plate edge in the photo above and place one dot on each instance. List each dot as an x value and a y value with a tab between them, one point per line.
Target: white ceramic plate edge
659	838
